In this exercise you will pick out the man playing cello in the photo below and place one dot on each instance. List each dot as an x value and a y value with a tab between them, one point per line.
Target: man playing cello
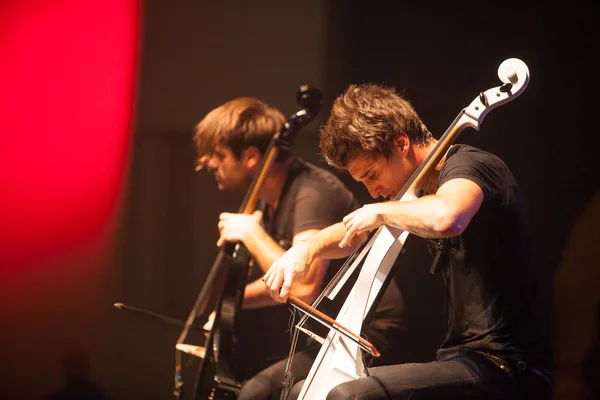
493	348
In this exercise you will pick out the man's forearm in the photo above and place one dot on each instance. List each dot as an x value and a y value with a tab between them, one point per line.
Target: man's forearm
256	295
419	217
446	213
263	249
324	244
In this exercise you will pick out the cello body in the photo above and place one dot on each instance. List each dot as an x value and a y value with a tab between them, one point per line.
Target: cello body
340	359
217	374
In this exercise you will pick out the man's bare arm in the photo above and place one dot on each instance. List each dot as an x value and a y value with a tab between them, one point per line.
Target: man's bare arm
297	262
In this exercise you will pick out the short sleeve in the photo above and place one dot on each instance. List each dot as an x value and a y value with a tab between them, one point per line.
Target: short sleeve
318	207
483	168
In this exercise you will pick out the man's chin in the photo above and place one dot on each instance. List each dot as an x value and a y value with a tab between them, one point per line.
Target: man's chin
224	188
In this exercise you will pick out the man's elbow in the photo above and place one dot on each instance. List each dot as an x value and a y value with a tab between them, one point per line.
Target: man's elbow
449	225
306	293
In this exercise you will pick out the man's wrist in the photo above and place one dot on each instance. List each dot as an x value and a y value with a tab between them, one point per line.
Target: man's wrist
382	215
256	232
311	252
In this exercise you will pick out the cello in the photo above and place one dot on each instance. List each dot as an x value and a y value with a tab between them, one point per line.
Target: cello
340	358
225	283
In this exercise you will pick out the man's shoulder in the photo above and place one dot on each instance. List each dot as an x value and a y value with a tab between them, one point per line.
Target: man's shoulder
319	176
467	154
463	148
318	183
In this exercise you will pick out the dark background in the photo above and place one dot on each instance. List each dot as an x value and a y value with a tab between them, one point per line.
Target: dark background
197	55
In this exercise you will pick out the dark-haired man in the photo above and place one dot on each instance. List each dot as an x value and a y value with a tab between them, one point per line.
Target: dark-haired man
493	348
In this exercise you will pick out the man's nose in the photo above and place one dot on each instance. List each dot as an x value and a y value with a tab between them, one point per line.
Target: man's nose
373	191
212	163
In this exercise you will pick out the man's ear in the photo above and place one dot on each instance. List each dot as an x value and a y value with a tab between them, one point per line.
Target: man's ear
251	156
402	143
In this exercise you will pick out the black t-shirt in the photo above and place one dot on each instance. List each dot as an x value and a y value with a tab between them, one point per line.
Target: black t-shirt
315	199
490	274
312	198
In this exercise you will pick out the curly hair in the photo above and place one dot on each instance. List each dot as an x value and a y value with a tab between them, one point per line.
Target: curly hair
239	124
365	120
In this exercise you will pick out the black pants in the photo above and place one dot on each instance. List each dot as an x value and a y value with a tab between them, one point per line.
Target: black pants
267	384
462	378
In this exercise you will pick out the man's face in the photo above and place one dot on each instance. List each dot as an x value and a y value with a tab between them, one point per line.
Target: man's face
380	176
230	173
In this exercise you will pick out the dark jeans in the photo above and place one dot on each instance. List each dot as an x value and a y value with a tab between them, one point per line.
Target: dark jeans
267	383
473	377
